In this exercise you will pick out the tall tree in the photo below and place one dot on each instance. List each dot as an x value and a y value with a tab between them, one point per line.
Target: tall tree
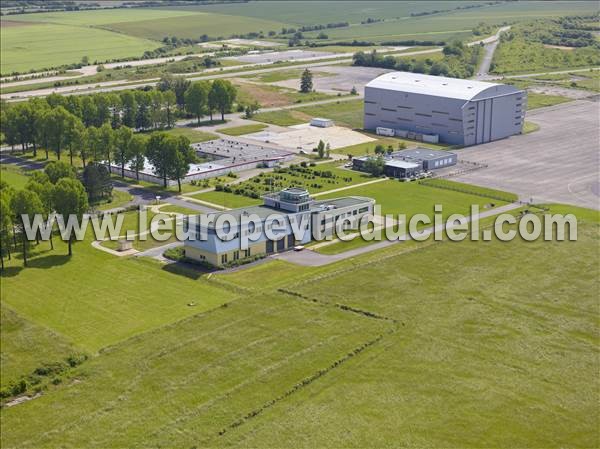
70	198
306	81
25	203
40	183
58	120
106	144
103	114
74	133
56	170
182	155
169	102
123	137
224	95
156	109
158	154
115	105
137	154
143	119
180	87
89	111
129	106
97	181
6	217
196	99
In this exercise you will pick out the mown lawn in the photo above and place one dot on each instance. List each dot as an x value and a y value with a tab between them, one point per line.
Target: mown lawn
193	134
13	176
455	340
344	113
95	299
26	346
476	346
241	130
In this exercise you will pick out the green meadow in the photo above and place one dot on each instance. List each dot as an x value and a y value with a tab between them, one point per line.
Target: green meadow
467	344
45	45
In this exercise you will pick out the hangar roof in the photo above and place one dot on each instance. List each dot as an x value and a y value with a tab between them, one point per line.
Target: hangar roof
439	86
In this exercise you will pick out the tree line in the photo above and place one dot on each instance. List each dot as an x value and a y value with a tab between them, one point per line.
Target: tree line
459	61
54	190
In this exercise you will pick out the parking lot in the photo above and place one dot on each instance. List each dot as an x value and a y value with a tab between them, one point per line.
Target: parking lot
558	163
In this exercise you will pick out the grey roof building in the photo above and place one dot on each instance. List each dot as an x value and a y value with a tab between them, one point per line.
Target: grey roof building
460	112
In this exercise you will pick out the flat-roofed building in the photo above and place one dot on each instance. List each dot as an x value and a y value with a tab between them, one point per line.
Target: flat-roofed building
280	214
455	111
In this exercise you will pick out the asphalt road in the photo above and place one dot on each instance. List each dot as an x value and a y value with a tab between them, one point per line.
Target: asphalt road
558	163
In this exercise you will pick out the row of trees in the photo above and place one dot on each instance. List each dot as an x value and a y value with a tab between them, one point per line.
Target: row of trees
54	190
57	122
458	61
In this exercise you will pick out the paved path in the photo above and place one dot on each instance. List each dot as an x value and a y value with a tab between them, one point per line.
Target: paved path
349	187
490	48
109	86
314	259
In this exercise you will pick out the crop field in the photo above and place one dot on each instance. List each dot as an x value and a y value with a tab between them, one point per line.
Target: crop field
296	12
383	368
46	45
193	26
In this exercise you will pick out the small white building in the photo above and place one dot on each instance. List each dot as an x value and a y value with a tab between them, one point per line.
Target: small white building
321	122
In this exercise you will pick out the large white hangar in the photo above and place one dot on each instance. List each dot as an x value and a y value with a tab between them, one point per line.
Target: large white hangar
457	111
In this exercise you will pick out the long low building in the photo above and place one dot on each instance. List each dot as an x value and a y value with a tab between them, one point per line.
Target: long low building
410	163
315	219
455	111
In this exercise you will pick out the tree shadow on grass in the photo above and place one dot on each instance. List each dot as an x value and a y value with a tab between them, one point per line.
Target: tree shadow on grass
53	260
188	270
45	262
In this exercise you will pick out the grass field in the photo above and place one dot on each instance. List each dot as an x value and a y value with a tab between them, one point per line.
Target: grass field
535	100
226	199
241	130
411	198
344	113
192	26
100	306
369	147
457	340
44	45
13	176
25	346
193	134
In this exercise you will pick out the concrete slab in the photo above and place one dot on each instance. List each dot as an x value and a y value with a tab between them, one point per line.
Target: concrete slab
306	137
558	163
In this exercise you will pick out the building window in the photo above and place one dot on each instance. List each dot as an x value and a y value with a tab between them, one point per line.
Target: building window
405	107
440	112
247	252
223	258
422	115
369	113
370	102
455	119
404	119
388	109
236	255
363	209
